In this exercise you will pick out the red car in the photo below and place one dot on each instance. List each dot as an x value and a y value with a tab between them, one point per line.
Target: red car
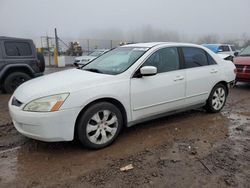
242	63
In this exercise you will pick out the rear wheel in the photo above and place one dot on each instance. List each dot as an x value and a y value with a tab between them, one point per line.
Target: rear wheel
100	125
13	80
217	99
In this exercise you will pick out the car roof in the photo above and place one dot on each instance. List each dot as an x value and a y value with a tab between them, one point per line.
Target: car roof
153	44
11	38
217	44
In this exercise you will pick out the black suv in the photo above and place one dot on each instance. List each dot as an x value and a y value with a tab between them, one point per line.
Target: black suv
19	62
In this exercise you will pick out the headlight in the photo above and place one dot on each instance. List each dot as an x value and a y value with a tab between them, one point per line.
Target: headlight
46	104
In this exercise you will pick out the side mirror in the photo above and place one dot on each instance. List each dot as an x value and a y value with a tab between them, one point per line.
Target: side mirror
76	64
148	71
236	53
220	50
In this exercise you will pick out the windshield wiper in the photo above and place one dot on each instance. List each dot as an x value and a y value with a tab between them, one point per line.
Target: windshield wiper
93	70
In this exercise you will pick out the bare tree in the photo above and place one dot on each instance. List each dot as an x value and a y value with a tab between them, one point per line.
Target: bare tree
211	38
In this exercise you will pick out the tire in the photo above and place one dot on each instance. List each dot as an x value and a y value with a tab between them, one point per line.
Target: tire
2	89
217	99
13	80
41	62
93	131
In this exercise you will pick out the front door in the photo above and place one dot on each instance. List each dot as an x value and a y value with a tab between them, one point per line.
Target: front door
165	91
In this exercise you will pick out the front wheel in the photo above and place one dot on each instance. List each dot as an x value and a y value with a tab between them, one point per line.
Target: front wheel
217	99
99	125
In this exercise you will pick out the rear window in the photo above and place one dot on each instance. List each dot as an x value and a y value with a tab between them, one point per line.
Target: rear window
17	49
211	60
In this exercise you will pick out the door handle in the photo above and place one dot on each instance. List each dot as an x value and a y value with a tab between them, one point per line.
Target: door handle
213	71
177	78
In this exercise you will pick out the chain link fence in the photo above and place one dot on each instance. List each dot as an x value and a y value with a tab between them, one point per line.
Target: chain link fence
72	47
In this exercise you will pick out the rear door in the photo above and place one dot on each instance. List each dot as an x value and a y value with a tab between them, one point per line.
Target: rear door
202	73
165	91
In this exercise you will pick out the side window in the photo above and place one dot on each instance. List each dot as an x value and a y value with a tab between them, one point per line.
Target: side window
166	59
226	48
17	49
211	60
194	57
221	49
233	48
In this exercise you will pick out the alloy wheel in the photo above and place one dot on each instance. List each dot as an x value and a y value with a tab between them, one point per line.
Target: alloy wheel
102	127
219	98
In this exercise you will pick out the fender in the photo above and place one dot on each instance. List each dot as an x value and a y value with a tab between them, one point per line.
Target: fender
10	66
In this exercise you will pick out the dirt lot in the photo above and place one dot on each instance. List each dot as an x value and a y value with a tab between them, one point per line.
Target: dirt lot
191	149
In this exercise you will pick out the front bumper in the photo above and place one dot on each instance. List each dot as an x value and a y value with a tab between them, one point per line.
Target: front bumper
45	126
243	77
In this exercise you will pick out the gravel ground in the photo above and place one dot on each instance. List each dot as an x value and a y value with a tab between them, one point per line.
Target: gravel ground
191	149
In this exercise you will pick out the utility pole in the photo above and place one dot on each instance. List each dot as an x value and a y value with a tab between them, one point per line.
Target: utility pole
47	41
88	45
57	42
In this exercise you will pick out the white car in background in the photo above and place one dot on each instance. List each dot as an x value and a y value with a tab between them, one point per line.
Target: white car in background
82	60
128	85
225	51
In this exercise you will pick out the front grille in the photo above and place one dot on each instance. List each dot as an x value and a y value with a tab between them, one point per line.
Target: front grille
243	68
16	102
240	68
247	70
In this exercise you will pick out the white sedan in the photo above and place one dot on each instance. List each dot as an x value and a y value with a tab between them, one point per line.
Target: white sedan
128	85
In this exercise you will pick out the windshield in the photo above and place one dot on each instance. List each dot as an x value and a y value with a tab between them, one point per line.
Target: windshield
115	61
96	53
245	52
212	47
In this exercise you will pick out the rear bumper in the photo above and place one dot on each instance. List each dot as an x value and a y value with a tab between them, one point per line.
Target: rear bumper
231	84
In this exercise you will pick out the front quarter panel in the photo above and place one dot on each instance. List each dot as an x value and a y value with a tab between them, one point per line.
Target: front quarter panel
118	90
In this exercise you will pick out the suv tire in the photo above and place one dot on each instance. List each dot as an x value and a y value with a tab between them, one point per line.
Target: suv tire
13	80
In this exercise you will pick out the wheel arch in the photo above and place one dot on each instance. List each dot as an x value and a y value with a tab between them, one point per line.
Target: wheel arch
223	83
10	69
111	100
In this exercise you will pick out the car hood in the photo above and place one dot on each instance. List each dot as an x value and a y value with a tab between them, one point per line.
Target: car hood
85	58
242	60
61	82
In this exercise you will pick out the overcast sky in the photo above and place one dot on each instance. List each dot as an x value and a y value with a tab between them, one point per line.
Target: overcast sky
91	18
